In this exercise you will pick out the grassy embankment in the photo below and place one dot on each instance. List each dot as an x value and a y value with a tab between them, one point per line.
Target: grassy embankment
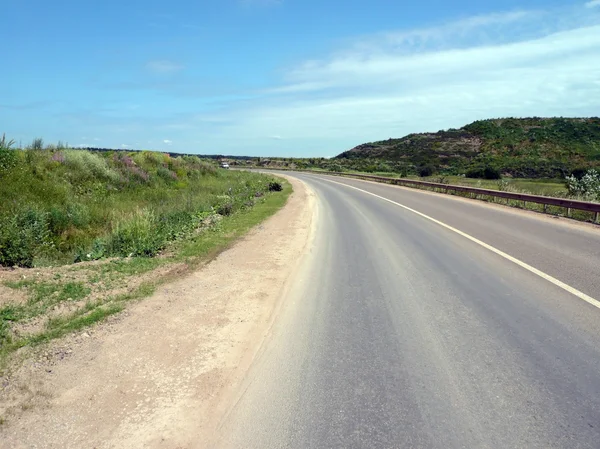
92	231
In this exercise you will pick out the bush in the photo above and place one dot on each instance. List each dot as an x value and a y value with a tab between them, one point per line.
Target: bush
89	165
8	159
166	174
426	170
225	209
579	172
491	173
136	235
275	186
75	214
588	186
23	236
484	173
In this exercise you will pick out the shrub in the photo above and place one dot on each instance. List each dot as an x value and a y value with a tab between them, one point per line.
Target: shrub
474	173
75	214
89	165
491	173
579	172
426	170
136	235
275	186
484	173
166	174
22	236
177	224
588	186
225	209
8	159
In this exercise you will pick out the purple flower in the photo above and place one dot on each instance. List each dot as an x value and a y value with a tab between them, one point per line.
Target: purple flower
58	156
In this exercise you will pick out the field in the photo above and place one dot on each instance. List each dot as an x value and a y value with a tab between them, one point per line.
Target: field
82	233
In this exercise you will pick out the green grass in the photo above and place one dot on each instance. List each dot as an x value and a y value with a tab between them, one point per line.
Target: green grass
66	206
523	148
544	187
105	279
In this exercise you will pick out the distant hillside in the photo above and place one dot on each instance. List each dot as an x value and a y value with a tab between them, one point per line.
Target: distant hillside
528	147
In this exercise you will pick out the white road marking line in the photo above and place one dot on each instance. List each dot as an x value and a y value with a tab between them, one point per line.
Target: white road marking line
520	263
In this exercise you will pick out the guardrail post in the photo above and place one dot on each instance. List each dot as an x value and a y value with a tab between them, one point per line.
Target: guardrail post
597	219
569	212
545	208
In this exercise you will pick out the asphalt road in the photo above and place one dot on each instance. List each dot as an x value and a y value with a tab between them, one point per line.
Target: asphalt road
400	333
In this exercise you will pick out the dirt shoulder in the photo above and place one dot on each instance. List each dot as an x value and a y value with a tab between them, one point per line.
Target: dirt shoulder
160	373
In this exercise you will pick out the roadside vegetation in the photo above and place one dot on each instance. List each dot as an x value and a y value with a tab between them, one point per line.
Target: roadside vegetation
519	148
82	233
557	157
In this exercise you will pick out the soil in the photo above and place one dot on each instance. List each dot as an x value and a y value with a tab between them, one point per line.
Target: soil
160	374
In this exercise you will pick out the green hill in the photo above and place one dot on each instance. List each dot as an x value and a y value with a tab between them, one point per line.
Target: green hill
527	147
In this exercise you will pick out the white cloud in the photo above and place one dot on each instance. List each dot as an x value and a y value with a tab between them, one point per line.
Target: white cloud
378	90
520	63
592	4
123	145
162	66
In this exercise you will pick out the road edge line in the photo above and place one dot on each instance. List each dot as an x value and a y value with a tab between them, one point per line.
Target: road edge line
592	301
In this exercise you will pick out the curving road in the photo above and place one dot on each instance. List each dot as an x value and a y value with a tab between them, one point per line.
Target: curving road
401	333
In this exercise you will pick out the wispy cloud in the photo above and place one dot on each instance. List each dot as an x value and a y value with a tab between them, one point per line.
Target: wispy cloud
592	4
518	63
163	66
510	64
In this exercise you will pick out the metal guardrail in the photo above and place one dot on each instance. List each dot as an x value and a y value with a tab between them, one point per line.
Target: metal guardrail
474	191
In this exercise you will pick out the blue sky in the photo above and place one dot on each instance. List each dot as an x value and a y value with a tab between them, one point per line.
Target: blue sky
287	77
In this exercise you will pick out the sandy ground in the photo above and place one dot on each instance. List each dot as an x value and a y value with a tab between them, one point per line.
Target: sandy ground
161	374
